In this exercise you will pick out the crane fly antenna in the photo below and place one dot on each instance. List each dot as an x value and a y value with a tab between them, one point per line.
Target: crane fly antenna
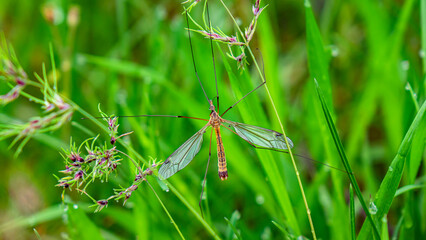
192	54
211	46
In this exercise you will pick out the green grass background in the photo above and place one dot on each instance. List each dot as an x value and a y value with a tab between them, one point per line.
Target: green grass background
132	57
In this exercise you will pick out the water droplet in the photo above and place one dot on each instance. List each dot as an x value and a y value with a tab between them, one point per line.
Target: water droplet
75	206
167	190
334	51
260	199
390	169
422	53
372	208
407	86
405	65
30	99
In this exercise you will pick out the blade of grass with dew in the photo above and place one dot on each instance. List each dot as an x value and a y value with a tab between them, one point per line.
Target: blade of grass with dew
345	161
389	185
80	226
266	158
318	69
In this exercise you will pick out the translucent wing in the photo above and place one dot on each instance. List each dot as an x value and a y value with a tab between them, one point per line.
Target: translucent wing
183	155
260	136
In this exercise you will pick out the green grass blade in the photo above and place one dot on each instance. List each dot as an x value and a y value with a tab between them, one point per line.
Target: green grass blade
344	159
352	211
232	230
385	231
317	60
389	185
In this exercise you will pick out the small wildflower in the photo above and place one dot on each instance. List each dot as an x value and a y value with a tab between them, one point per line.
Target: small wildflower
78	175
138	177
101	204
148	171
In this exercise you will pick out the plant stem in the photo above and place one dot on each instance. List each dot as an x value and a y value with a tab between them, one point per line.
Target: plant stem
165	209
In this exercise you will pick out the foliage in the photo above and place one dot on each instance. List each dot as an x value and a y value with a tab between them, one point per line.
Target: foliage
345	80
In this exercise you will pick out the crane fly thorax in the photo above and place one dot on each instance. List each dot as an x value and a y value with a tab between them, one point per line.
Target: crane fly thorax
215	119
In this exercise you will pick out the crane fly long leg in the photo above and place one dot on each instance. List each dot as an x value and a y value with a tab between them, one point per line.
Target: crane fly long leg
243	98
205	174
171	116
183	155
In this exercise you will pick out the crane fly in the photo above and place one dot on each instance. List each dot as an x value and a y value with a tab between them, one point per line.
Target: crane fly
255	136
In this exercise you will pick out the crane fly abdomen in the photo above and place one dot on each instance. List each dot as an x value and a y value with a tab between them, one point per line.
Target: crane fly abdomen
223	171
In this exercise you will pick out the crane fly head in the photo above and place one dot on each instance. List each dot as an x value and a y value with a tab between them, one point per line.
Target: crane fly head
211	108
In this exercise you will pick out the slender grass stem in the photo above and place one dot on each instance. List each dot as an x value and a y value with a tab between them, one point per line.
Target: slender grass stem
308	211
165	210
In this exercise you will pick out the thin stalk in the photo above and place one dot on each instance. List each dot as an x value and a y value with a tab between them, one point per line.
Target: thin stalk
308	211
165	209
199	217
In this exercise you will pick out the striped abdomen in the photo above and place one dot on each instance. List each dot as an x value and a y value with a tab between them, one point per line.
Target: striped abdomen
223	171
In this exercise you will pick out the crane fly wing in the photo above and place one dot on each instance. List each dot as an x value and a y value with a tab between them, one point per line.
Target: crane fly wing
183	155
260	136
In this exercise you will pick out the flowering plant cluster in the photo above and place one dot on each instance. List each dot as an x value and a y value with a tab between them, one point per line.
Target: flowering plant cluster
56	110
231	41
92	162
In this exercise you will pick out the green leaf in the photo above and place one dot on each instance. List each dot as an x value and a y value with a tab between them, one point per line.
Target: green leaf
390	183
344	159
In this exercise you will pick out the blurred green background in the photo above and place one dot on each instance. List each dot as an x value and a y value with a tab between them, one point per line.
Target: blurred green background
132	57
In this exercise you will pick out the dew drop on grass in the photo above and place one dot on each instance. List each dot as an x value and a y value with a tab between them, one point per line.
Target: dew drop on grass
372	208
334	51
75	206
390	169
405	65
167	190
422	53
407	86
260	199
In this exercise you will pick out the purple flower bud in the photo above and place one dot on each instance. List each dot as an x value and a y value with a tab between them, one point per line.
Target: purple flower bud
102	202
113	140
20	81
78	175
148	171
138	177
